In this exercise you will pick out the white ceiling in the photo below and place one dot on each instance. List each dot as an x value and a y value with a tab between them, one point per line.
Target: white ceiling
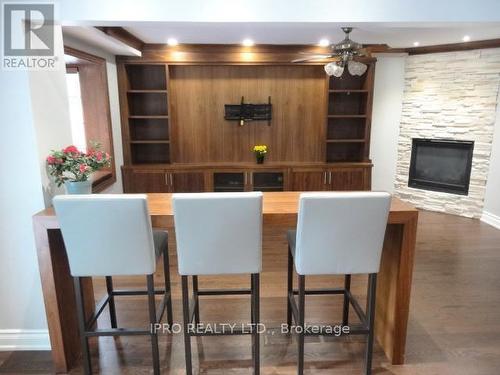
394	34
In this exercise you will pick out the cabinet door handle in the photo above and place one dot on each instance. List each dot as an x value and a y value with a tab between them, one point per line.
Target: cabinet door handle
166	179
329	178
324	178
171	180
250	174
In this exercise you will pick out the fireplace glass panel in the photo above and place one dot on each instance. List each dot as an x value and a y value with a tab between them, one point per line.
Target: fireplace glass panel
441	165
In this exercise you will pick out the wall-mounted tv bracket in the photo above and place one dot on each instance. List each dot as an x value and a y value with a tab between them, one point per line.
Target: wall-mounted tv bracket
248	112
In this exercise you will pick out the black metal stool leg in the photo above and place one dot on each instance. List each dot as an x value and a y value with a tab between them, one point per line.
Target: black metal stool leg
370	316
252	313
152	320
302	295
256	320
196	300
289	288
112	309
347	287
187	337
168	288
87	365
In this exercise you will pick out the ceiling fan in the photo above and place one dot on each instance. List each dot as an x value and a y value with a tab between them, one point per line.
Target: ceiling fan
343	54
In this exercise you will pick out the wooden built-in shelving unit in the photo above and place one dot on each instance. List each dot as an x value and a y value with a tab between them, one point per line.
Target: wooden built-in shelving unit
349	116
147	113
175	137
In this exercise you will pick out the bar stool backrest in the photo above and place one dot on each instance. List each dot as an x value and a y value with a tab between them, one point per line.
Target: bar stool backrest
341	232
218	233
106	234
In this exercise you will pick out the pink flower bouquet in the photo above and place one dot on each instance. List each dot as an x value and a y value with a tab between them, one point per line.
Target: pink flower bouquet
70	164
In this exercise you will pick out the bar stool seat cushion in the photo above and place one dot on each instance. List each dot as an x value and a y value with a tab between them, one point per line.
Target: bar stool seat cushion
160	239
291	236
218	233
340	233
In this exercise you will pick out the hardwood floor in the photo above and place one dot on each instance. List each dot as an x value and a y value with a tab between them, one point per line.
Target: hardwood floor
454	325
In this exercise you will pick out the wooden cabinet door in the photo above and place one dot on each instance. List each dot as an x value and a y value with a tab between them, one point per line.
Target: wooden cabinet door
145	181
347	179
187	182
308	180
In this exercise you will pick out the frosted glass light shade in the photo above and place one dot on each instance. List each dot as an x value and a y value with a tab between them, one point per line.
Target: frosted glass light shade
333	69
356	68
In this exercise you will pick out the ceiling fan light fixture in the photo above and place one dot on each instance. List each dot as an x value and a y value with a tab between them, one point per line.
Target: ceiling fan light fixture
356	68
334	69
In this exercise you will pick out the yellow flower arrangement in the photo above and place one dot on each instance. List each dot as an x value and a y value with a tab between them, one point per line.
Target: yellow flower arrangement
260	149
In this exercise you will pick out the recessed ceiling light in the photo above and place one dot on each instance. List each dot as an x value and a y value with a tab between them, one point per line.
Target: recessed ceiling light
416	44
466	38
172	42
324	43
248	42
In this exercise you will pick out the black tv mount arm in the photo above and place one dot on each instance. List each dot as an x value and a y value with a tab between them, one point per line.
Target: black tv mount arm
248	112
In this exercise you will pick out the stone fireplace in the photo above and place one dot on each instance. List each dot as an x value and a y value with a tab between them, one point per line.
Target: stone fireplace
448	96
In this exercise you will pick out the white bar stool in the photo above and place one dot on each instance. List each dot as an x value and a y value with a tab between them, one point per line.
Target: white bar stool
217	234
338	233
109	235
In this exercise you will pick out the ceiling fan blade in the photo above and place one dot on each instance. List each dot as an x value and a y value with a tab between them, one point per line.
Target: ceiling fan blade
313	58
315	54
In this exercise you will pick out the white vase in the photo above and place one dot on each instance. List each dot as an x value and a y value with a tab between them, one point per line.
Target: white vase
78	187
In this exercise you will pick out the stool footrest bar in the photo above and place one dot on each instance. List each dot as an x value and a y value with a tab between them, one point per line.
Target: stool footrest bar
117	332
322	291
128	292
221	292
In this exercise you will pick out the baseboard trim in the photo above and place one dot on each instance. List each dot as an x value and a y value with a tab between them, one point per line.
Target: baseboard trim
24	339
491	219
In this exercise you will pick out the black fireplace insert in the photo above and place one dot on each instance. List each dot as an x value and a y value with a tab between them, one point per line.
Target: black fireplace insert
441	165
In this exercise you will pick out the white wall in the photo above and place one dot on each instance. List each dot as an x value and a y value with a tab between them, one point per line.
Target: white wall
22	315
386	116
113	102
21	197
491	212
35	120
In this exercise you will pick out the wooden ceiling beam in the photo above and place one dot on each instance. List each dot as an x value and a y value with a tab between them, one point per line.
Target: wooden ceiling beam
451	47
119	33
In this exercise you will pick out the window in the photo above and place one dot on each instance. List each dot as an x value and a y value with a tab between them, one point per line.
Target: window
76	109
90	116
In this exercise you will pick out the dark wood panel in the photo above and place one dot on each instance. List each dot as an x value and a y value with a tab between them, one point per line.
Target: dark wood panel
188	182
308	180
146	77
198	95
347	180
147	104
137	181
